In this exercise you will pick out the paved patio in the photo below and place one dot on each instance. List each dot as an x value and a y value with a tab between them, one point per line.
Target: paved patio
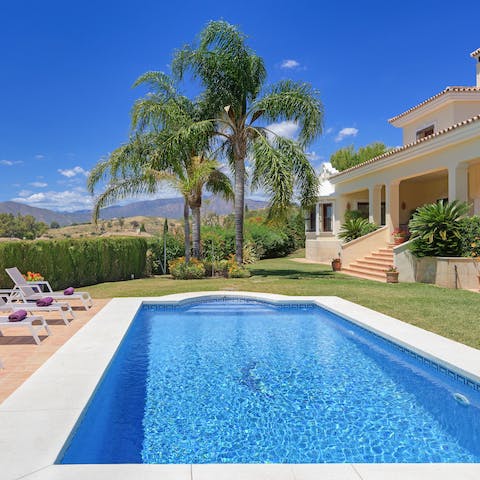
20	354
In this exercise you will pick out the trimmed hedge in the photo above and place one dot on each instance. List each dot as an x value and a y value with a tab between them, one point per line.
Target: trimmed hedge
75	262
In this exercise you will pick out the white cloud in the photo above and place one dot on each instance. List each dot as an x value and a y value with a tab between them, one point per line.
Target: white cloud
68	200
290	63
346	132
10	163
313	156
38	184
72	172
287	129
25	193
39	156
328	131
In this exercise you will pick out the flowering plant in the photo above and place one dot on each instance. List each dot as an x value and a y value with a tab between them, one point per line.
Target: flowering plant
33	277
399	233
392	269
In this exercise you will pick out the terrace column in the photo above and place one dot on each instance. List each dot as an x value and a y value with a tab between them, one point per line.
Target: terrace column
340	206
392	204
374	204
317	219
458	183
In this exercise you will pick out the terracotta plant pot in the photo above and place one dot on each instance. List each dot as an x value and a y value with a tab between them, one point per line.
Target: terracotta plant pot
398	240
336	265
392	277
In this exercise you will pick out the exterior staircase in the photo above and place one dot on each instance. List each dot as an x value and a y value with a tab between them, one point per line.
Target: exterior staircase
372	266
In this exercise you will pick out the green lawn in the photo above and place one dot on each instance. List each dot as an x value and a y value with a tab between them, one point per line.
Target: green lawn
452	313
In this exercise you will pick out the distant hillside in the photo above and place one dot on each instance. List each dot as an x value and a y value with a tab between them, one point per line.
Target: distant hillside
45	215
168	207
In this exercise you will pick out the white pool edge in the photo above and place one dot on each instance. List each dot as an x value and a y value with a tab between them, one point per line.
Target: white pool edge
36	420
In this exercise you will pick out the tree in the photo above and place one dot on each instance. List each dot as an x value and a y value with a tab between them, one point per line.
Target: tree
21	226
233	77
347	157
149	160
54	224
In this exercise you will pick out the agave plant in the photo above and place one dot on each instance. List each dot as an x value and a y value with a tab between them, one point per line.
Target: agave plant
436	229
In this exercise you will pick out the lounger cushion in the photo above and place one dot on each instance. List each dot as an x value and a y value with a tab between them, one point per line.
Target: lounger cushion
44	302
69	291
17	316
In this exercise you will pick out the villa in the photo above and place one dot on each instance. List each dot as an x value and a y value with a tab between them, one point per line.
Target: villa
439	159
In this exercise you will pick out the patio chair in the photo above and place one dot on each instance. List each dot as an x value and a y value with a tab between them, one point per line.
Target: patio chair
16	301
26	322
33	290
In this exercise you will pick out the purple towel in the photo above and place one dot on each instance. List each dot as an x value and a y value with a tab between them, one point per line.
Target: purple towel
17	316
69	291
44	302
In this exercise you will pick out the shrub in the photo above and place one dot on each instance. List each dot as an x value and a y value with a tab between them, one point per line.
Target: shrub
182	270
175	249
355	228
75	262
270	242
470	236
235	270
436	229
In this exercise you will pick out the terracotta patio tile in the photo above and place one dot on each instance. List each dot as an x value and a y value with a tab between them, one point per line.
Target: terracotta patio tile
20	354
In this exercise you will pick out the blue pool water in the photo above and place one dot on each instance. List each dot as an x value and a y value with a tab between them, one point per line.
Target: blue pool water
247	382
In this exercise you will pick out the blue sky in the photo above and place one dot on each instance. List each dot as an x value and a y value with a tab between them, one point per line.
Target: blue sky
67	68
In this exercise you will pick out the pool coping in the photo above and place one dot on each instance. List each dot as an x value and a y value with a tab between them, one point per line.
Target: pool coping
38	417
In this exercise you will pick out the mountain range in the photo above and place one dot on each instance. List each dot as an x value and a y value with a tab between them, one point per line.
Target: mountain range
165	207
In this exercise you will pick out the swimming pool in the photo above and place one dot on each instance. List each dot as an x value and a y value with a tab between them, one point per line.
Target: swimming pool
241	381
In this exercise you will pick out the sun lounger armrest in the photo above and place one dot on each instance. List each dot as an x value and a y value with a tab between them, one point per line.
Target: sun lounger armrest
41	282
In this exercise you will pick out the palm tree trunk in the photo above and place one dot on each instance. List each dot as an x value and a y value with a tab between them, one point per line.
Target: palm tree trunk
239	207
196	230
186	230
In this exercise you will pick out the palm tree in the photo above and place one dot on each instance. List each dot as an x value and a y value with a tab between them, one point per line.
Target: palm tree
143	165
233	77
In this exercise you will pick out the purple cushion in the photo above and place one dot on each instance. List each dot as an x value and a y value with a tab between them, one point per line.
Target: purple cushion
69	291
44	302
17	316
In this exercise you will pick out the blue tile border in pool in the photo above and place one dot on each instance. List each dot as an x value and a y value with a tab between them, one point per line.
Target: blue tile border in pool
178	306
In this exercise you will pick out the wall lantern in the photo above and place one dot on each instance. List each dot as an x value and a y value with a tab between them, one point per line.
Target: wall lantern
404	206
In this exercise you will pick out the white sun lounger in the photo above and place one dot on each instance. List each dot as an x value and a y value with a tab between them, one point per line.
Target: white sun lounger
16	301
32	290
27	322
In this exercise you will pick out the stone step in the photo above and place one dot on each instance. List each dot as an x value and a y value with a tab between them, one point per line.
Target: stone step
365	264
361	273
376	260
379	254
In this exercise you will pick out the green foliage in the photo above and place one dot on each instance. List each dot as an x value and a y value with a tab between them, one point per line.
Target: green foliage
182	270
232	77
470	234
352	214
175	249
347	157
236	270
270	242
54	224
356	227
436	229
19	226
75	262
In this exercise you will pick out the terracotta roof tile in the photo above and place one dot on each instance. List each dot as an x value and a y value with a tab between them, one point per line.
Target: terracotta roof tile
428	100
476	53
476	118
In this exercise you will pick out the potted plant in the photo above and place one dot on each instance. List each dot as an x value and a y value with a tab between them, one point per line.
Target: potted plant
399	236
392	274
336	264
